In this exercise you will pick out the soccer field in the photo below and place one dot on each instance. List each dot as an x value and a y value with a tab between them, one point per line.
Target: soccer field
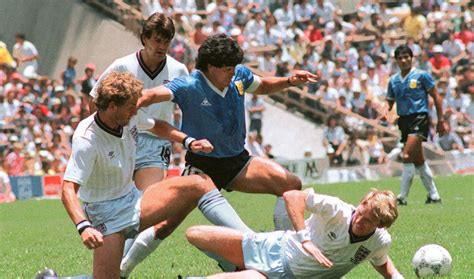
35	234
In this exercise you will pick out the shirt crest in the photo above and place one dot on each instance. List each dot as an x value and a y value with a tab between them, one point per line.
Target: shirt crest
240	87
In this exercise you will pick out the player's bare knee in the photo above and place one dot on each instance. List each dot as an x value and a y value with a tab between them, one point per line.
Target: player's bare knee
406	157
164	229
202	185
193	234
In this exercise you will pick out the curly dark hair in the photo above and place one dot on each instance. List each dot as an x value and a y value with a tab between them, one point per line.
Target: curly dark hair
403	49
159	23
219	50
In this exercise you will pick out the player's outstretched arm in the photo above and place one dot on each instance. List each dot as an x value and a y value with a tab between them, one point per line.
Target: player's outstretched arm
91	238
388	270
276	84
154	95
166	131
295	204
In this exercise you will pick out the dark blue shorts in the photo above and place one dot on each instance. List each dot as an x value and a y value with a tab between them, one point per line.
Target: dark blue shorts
222	171
414	124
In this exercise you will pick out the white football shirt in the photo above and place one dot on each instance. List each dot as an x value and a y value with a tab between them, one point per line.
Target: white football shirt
102	163
329	226
134	64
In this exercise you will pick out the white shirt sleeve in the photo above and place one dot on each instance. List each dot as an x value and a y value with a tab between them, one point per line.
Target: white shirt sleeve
111	68
320	204
81	162
144	121
380	256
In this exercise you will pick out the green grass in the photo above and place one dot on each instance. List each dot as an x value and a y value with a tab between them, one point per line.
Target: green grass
35	234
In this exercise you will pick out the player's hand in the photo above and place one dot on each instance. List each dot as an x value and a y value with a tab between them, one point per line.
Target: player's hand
316	253
202	145
300	77
92	238
145	100
440	128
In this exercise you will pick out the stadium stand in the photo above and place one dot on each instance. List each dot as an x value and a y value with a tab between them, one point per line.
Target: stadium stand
351	49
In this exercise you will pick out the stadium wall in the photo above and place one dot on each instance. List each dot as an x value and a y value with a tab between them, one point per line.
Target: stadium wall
60	28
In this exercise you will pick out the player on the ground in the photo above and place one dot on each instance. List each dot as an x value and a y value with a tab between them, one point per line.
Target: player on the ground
153	67
410	89
332	241
100	173
213	107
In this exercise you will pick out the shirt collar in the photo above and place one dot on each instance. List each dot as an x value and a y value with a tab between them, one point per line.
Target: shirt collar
215	89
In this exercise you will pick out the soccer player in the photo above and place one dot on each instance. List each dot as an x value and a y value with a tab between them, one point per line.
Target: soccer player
331	242
213	106
100	172
153	67
410	89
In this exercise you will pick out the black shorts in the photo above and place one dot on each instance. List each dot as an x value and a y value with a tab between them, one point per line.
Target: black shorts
417	123
221	170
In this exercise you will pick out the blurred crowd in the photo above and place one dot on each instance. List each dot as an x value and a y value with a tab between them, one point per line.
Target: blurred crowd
349	46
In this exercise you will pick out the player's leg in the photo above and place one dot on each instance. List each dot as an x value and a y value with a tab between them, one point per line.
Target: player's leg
426	176
107	257
238	275
152	160
168	201
263	175
145	177
216	208
222	241
409	150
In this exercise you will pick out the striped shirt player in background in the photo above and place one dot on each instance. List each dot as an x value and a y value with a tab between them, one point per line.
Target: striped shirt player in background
330	243
410	89
212	100
100	172
153	67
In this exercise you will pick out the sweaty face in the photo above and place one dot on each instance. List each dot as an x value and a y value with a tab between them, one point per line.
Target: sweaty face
364	222
404	61
126	111
156	47
221	77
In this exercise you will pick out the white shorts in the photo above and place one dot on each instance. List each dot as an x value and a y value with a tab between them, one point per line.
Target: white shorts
152	152
122	214
263	252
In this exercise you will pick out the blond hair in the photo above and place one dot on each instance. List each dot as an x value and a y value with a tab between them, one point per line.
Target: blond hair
117	88
383	205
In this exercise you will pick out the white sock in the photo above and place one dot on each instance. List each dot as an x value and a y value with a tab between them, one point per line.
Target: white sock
427	178
128	244
407	177
280	216
144	245
219	211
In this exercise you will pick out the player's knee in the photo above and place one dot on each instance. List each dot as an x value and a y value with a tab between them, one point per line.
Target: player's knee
202	184
193	234
294	183
164	229
406	157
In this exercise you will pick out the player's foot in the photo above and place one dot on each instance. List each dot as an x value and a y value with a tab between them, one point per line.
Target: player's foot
401	201
430	200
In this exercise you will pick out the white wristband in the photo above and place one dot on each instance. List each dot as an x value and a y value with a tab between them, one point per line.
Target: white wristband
397	275
302	235
81	226
187	142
